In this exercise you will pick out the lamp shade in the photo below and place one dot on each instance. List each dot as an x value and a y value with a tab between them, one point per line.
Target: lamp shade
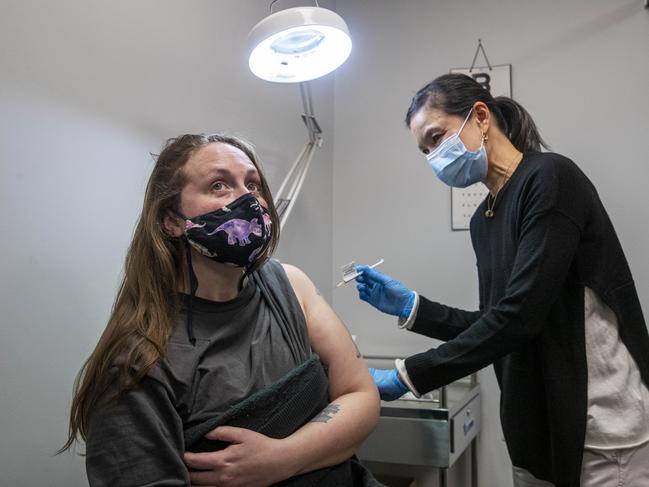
298	44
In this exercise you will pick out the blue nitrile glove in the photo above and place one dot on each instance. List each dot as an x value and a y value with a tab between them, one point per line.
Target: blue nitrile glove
383	292
388	382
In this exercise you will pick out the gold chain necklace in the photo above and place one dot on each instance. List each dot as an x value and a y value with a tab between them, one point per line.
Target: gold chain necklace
491	201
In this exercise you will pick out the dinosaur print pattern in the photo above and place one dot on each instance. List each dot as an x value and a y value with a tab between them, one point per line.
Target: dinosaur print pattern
239	230
190	224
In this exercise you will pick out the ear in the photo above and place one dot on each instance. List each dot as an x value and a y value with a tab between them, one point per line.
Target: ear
482	116
173	225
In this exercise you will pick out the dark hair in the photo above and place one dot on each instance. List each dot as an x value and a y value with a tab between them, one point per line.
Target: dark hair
455	94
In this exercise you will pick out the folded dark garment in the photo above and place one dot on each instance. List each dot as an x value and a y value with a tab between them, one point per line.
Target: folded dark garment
279	410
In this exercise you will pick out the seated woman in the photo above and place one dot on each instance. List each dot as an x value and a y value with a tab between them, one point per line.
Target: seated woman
204	327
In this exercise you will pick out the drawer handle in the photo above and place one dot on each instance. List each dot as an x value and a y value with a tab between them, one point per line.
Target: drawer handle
468	425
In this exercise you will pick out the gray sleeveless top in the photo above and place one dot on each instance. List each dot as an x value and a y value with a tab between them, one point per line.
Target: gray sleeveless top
241	347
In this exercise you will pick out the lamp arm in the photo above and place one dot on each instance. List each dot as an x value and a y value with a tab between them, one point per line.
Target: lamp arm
292	184
287	179
289	202
315	132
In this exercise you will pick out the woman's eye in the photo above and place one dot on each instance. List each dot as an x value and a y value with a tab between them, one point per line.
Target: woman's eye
253	187
218	186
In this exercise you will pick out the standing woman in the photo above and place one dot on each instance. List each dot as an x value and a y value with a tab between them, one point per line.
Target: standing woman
559	316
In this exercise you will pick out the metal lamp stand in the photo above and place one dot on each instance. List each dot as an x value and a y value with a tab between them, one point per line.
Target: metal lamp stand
292	184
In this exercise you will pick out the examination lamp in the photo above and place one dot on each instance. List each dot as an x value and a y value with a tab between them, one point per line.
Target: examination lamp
297	45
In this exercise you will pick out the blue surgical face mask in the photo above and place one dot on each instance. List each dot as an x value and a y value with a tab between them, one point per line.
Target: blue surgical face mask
457	166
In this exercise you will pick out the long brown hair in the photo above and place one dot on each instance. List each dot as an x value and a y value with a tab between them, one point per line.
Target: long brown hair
147	303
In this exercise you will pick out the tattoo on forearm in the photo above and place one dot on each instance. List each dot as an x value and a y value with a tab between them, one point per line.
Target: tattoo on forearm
326	414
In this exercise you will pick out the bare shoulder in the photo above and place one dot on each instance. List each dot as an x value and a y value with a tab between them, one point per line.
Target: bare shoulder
302	285
296	276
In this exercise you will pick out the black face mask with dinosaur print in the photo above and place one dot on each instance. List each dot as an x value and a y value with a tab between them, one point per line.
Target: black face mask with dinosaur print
234	234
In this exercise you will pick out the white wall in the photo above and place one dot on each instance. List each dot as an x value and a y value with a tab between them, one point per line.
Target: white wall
87	90
580	67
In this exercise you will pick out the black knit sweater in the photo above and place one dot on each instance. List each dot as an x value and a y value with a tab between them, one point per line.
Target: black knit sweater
550	236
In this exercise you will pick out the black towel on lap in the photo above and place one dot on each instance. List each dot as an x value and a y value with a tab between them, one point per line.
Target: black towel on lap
279	410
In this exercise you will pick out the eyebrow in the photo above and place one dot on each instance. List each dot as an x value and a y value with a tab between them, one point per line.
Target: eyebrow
224	170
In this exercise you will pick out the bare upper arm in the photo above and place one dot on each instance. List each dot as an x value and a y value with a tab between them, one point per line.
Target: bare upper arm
329	338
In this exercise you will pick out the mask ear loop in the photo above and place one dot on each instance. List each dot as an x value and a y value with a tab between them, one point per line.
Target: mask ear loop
193	286
465	121
485	137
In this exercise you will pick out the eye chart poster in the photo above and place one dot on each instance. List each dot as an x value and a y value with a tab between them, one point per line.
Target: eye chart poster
464	201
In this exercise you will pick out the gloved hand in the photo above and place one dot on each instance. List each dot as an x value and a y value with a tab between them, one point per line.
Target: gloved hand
383	292
388	382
